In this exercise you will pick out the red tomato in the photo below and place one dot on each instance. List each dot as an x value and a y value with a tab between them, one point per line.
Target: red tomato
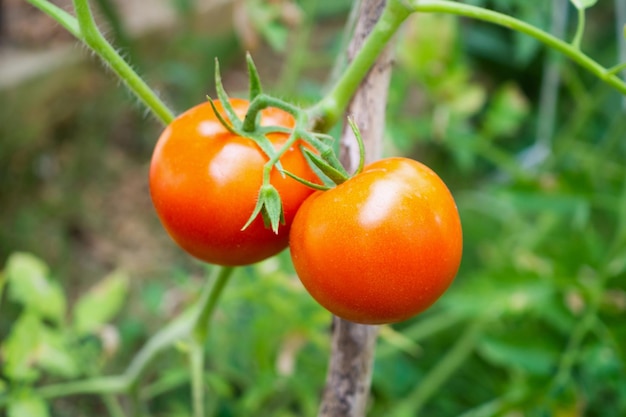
204	183
381	247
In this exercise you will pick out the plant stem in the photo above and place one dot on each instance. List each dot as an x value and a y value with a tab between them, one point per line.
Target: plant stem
191	322
65	19
96	41
196	363
100	385
442	371
208	302
113	406
580	29
328	111
460	9
200	331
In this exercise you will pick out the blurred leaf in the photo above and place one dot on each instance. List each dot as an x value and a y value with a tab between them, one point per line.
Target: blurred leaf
583	4
427	45
53	354
101	303
469	99
528	356
3	281
30	285
20	348
27	405
276	35
506	111
31	345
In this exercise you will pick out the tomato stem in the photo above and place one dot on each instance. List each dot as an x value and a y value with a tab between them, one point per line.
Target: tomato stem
263	101
328	111
89	33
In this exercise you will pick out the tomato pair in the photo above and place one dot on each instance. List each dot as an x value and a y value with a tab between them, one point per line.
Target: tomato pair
378	248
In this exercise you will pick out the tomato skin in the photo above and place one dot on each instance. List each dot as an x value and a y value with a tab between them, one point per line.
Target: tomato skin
204	184
381	247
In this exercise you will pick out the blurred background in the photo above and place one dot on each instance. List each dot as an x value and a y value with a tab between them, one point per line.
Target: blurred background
532	147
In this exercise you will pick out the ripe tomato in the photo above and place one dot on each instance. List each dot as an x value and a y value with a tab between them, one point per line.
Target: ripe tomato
204	183
381	247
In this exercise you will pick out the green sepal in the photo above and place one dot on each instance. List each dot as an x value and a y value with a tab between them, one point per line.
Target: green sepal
359	141
308	183
221	118
325	150
315	160
270	207
224	99
254	80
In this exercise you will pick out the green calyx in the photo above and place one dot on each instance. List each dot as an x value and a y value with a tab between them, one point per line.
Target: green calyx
316	147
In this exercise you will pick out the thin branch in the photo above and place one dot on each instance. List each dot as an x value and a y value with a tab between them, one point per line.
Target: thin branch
352	353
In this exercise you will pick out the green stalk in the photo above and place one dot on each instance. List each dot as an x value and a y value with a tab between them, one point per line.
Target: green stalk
92	36
200	332
208	302
328	111
580	29
438	375
65	19
460	9
196	363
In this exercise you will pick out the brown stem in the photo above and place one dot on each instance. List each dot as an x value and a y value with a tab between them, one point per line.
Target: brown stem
352	351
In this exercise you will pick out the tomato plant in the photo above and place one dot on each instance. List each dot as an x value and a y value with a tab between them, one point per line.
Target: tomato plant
381	247
205	180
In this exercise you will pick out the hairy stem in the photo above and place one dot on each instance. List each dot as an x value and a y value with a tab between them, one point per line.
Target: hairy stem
84	28
65	19
92	36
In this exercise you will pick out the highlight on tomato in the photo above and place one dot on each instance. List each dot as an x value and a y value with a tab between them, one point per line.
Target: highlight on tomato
382	246
205	182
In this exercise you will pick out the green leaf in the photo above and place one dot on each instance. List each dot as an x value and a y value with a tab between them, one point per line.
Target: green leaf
101	303
28	405
20	348
530	357
583	4
506	112
32	344
54	355
30	285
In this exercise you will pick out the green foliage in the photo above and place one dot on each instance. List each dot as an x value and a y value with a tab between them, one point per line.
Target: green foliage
101	303
40	342
532	326
31	286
